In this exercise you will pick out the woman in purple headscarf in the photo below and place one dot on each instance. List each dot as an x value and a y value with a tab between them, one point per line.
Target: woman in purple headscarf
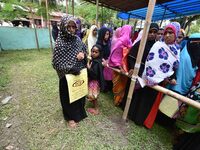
120	47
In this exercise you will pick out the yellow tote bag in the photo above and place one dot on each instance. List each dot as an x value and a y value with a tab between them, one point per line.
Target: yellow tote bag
77	85
169	106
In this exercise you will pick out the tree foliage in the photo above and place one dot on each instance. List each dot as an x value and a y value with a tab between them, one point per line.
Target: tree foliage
11	10
195	28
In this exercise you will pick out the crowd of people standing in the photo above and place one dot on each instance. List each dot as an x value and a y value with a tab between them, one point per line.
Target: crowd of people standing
168	61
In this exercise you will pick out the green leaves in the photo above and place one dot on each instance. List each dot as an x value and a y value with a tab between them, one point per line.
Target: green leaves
9	11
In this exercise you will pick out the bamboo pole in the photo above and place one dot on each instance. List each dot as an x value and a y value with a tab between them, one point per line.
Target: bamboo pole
48	22
151	6
166	91
97	12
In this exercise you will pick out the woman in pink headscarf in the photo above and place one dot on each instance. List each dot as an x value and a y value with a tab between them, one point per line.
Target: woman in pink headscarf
116	36
119	50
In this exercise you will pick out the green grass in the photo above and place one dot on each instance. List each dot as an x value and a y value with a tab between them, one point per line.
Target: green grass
35	113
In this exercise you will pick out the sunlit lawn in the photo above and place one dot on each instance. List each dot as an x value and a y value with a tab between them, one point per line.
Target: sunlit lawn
35	113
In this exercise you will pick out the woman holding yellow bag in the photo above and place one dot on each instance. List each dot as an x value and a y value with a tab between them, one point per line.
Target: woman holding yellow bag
69	57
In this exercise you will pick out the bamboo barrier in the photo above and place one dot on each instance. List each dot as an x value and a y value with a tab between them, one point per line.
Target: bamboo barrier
149	14
166	91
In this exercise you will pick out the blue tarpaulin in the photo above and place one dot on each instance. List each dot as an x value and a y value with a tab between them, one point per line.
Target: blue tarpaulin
164	11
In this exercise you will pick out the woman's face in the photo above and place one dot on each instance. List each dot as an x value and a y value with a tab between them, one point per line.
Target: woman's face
95	52
159	35
179	38
71	27
152	34
94	32
107	35
169	36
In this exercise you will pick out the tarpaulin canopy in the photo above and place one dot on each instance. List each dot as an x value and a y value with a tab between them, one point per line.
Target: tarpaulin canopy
125	5
164	11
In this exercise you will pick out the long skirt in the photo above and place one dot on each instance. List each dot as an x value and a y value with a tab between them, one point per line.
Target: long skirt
74	111
94	88
119	86
141	103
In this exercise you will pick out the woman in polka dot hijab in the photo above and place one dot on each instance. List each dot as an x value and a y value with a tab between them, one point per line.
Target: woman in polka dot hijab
69	54
69	57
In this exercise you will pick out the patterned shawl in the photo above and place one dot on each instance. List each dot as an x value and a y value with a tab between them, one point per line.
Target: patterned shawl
161	62
66	49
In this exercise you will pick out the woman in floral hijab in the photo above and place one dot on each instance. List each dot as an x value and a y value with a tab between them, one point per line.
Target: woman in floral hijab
163	57
69	57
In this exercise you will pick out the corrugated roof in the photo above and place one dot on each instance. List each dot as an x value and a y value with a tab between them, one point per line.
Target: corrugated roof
167	10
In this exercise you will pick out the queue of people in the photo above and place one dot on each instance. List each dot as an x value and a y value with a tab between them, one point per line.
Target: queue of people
166	62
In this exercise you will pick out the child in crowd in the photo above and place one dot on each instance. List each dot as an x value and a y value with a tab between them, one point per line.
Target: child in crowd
96	79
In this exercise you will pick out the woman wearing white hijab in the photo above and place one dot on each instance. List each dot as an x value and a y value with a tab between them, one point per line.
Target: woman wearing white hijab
92	38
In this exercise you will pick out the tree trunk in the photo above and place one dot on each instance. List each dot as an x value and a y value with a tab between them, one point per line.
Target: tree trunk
48	21
35	30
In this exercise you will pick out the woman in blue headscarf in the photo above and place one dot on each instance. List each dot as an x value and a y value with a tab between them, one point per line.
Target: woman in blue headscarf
186	71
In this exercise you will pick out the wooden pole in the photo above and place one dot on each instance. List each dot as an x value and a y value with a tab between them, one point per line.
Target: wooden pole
102	21
134	27
128	18
35	30
163	17
167	92
97	12
141	24
67	11
177	96
122	23
48	22
151	6
73	7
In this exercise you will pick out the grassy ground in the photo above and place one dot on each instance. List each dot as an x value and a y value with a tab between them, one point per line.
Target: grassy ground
36	117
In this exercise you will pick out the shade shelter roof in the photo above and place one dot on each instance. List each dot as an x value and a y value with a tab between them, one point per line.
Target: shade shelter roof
167	10
125	5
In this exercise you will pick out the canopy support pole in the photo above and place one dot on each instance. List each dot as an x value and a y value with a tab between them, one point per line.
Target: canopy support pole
149	14
163	17
128	18
135	24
